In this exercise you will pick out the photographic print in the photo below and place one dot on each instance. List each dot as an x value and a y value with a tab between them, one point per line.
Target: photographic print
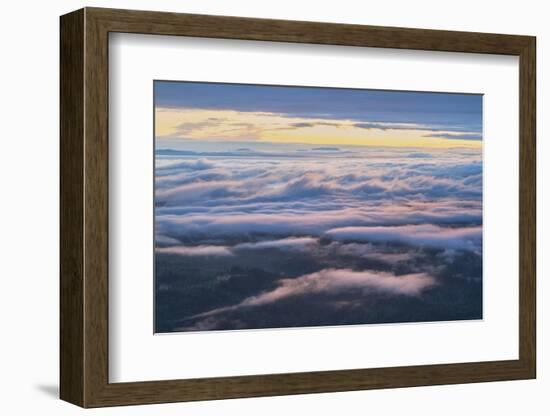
292	206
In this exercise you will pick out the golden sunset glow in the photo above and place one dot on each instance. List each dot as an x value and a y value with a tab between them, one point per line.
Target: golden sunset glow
232	125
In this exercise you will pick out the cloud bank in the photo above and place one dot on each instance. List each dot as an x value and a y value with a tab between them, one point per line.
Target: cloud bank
334	281
465	238
196	251
310	235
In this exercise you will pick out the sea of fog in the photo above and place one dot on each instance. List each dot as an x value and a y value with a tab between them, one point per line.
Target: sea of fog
260	235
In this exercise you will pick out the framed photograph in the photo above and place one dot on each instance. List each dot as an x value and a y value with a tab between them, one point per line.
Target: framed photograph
255	207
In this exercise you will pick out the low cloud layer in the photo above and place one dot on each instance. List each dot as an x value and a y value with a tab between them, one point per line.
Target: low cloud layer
316	236
291	243
335	281
240	196
465	238
196	251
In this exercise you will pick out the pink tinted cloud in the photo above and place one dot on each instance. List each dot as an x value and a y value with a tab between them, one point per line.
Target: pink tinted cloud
197	250
195	192
334	281
466	238
291	243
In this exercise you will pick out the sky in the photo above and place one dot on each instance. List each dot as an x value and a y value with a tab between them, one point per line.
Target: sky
194	111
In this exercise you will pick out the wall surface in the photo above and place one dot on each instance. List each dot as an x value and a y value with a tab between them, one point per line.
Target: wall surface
29	220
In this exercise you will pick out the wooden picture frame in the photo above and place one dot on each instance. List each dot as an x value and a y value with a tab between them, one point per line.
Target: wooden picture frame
84	207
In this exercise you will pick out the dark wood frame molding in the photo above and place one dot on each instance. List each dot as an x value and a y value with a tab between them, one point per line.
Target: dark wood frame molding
84	208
